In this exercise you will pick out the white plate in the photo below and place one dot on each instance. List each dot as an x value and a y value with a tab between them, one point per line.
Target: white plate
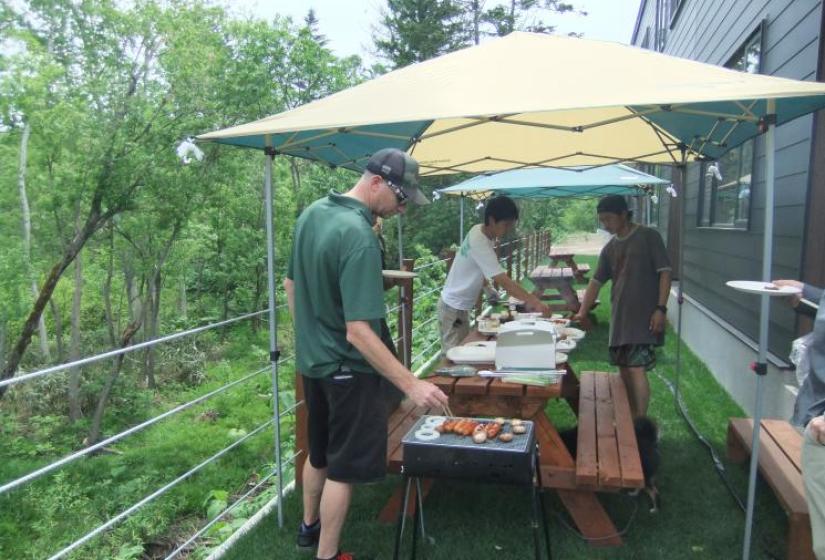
754	287
524	316
485	326
566	345
560	323
471	355
560	358
573	334
398	274
483	344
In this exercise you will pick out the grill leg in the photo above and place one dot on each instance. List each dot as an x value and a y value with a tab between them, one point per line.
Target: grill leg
535	523
399	530
537	493
417	519
420	497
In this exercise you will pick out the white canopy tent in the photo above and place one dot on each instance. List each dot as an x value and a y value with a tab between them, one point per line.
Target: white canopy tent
539	100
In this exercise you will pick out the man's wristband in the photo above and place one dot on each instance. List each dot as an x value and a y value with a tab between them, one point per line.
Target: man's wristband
662	308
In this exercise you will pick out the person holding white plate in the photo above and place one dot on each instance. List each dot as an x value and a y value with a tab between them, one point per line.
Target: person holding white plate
809	409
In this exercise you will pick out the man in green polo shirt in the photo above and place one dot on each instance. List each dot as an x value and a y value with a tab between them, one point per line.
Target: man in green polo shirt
335	292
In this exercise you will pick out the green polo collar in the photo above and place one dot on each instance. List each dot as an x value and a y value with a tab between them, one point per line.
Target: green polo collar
352	203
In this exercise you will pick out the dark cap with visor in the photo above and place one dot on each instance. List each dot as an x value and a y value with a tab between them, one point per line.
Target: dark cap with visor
613	203
398	168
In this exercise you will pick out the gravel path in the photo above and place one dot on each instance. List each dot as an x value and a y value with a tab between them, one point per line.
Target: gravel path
581	243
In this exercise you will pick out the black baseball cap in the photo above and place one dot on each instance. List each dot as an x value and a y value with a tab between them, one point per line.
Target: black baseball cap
613	203
398	168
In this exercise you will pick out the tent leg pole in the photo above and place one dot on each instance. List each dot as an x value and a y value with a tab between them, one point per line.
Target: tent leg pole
273	327
402	326
461	221
680	289
764	318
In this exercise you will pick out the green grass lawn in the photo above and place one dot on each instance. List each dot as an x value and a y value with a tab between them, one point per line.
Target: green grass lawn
698	518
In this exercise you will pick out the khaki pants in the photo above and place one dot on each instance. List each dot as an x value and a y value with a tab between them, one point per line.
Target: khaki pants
454	325
813	474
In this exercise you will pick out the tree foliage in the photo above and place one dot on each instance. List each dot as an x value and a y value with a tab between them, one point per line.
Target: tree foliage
416	30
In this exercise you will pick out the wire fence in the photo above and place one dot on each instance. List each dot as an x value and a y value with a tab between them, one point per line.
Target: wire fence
96	447
128	349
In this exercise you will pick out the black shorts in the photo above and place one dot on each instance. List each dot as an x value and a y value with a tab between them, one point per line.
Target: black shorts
633	355
347	425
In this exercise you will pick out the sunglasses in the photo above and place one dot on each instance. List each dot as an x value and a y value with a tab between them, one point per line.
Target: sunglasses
399	193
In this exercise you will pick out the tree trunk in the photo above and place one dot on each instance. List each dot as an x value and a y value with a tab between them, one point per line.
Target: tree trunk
97	419
94	220
133	294
296	186
256	299
183	307
27	235
148	334
58	329
75	411
153	291
107	290
2	341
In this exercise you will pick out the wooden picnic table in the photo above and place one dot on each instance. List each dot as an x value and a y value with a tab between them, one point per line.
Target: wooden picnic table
560	280
605	459
579	271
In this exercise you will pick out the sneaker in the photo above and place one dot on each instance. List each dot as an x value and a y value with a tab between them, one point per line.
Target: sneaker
308	536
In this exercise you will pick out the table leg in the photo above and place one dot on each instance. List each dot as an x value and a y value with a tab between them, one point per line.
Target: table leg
583	505
569	295
570	388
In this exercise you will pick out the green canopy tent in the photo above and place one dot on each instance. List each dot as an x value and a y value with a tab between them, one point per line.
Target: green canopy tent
553	182
540	100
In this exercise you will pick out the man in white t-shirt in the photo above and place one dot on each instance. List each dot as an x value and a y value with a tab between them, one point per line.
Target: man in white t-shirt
475	262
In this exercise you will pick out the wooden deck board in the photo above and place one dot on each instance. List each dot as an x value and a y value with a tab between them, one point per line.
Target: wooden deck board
609	471
587	471
628	447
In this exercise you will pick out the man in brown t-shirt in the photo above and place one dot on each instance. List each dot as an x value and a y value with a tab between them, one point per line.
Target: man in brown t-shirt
636	261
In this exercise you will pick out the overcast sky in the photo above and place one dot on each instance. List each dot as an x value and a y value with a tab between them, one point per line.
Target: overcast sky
347	23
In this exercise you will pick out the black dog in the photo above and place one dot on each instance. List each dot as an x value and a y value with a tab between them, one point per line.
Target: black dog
647	437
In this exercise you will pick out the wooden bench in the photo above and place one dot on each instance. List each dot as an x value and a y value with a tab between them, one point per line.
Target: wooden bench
607	454
780	463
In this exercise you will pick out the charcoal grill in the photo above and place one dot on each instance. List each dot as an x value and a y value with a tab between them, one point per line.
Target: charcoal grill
452	456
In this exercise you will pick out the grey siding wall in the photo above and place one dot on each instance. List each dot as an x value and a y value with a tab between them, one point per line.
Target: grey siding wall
712	31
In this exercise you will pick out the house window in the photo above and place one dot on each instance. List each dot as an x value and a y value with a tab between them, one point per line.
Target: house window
673	10
661	25
726	184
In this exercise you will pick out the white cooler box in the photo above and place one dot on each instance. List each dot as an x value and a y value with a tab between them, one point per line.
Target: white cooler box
526	345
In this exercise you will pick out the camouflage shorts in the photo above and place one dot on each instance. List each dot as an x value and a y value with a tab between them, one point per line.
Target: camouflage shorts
633	355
